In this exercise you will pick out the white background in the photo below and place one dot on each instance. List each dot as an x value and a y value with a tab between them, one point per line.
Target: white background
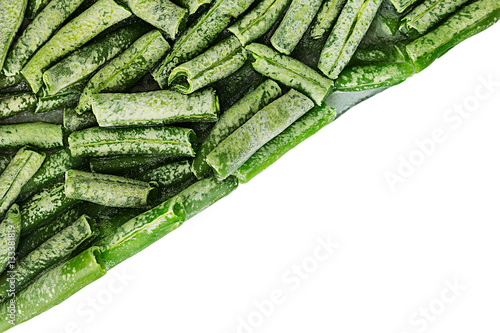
399	250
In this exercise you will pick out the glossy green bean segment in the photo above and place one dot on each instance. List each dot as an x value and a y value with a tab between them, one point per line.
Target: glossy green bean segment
38	32
427	15
154	108
20	169
108	190
72	121
193	5
47	255
14	103
273	119
216	63
359	78
290	72
161	14
35	238
128	165
259	20
35	7
294	25
126	69
303	128
42	206
200	35
70	37
10	230
52	169
101	142
167	174
468	22
40	135
327	15
233	118
4	161
352	25
52	288
12	17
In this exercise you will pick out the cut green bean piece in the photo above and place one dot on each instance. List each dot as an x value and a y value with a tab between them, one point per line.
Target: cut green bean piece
359	78
22	167
233	118
4	162
12	104
193	5
294	25
47	255
38	32
200	35
259	20
42	206
126	69
303	128
65	98
12	17
109	190
154	108
52	288
128	165
355	19
427	15
9	81
326	18
273	119
468	22
168	174
216	63
40	135
100	142
72	121
35	7
402	5
35	238
52	169
10	230
161	14
69	38
290	72
82	63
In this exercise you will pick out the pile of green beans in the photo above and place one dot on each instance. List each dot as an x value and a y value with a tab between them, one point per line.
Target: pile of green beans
121	120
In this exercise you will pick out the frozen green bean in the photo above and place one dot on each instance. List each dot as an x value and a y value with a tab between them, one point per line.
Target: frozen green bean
128	164
14	103
9	81
4	161
402	5
72	121
40	135
167	174
326	18
10	230
12	17
193	5
65	98
35	7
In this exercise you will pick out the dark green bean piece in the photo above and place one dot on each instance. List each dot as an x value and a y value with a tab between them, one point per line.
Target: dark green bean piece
109	190
10	230
14	103
4	161
40	135
303	128
128	165
328	14
154	108
9	81
402	5
126	69
167	174
273	119
72	121
22	167
65	98
233	118
193	5
12	17
35	7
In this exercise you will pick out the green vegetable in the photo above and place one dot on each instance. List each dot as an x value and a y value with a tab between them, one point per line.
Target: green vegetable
273	119
259	20
52	288
200	35
290	72
216	63
38	32
328	14
99	142
22	167
126	69
12	17
168	174
128	165
360	78
10	230
162	14
35	7
101	15
297	19
47	255
72	121
402	5
233	118
41	135
65	98
193	5
352	25
4	162
9	81
303	128
42	206
468	22
154	108
12	104
109	190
